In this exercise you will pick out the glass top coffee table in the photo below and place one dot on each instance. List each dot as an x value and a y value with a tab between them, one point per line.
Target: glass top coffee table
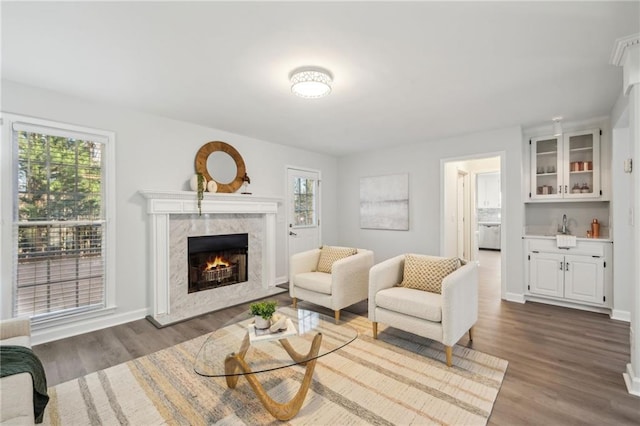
239	350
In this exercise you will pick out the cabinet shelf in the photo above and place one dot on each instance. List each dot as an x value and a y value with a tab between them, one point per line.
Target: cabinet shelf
579	172
547	153
588	148
547	174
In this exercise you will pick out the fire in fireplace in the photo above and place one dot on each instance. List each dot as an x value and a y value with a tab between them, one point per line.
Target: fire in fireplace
217	261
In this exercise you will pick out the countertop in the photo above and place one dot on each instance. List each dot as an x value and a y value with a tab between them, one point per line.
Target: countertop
553	237
489	223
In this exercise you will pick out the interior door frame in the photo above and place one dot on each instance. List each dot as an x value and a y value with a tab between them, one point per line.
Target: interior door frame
503	208
287	192
464	197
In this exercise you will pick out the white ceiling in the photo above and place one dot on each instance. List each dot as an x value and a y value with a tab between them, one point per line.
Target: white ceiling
404	72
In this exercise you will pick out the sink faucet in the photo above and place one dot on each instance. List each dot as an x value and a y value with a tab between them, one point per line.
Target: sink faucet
564	224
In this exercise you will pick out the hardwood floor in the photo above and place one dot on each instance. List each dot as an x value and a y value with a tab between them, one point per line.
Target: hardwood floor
565	365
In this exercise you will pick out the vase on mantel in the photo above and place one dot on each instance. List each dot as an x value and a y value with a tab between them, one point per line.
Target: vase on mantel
193	182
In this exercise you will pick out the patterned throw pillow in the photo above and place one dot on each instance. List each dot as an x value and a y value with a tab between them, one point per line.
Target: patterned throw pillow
329	254
427	272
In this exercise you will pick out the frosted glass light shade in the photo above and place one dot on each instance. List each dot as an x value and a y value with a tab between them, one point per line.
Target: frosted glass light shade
311	83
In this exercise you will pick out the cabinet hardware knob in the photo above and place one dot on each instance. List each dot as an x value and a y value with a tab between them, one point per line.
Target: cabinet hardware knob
561	266
559	189
566	189
567	266
293	234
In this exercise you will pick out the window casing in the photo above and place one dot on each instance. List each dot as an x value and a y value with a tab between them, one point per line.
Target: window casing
62	228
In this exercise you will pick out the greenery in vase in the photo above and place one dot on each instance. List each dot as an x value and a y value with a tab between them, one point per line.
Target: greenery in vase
200	192
264	309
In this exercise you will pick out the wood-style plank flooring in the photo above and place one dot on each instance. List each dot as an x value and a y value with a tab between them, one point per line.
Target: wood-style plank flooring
565	365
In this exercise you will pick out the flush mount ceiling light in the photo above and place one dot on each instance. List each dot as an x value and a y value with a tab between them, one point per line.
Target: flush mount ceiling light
311	82
557	126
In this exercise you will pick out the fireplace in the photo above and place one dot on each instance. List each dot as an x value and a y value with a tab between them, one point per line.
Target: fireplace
174	217
217	261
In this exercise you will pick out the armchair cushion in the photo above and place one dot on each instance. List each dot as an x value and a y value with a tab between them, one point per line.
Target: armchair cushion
426	273
315	281
330	254
417	303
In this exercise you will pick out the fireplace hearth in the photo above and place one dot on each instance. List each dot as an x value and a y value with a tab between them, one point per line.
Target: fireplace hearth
217	261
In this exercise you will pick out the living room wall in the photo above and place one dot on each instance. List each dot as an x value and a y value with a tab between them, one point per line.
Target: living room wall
157	153
422	161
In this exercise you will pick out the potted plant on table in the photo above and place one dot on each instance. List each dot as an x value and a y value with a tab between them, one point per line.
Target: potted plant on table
263	311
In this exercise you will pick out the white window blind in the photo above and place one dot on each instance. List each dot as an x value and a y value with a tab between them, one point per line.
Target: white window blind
59	221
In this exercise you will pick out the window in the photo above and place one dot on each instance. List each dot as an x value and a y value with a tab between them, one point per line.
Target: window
61	219
304	201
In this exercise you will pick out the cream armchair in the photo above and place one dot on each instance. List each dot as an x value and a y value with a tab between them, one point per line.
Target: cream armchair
442	317
347	283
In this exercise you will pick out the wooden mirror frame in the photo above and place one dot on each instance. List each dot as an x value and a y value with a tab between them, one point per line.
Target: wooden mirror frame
201	165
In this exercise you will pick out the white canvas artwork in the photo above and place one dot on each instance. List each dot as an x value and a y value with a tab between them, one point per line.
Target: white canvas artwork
384	202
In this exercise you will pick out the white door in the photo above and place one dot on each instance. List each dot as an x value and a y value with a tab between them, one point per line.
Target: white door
546	274
584	278
303	210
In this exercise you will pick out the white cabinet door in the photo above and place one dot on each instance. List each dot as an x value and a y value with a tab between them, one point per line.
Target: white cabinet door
581	156
584	279
546	168
488	187
546	274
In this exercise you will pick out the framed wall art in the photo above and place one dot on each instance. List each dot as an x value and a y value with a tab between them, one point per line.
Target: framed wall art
384	202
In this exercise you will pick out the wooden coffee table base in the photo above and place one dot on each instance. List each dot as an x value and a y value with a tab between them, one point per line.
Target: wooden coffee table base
234	363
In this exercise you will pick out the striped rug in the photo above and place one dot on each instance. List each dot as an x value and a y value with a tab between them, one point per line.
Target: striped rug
396	380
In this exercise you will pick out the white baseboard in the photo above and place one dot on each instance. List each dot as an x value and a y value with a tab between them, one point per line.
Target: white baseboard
46	334
619	315
567	304
632	381
282	280
515	297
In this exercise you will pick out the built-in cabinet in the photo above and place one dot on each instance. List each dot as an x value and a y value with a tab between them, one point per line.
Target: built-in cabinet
565	167
488	190
580	274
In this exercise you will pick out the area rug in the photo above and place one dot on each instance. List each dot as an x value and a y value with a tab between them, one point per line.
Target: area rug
396	380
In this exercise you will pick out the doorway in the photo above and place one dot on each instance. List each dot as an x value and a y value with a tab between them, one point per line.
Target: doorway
472	206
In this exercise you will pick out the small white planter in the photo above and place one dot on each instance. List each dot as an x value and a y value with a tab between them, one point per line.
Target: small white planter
262	323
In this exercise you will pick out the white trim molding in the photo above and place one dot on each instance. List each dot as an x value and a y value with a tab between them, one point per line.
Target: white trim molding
632	381
619	315
626	54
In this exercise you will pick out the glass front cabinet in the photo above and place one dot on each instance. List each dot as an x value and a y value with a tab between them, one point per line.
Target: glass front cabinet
566	167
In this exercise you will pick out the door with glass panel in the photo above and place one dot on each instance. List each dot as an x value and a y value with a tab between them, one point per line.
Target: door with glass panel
546	168
582	165
303	210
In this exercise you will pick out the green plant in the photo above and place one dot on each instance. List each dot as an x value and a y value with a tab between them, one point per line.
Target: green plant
200	192
264	309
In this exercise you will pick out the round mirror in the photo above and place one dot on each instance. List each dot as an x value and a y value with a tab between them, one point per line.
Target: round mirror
222	167
221	162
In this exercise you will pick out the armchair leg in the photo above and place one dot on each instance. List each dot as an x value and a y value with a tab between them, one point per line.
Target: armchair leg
336	314
449	352
375	330
294	301
471	334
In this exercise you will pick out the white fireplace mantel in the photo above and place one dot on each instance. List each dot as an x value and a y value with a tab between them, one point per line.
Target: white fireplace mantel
186	202
162	204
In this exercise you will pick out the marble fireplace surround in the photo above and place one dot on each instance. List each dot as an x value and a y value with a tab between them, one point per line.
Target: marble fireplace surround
173	217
